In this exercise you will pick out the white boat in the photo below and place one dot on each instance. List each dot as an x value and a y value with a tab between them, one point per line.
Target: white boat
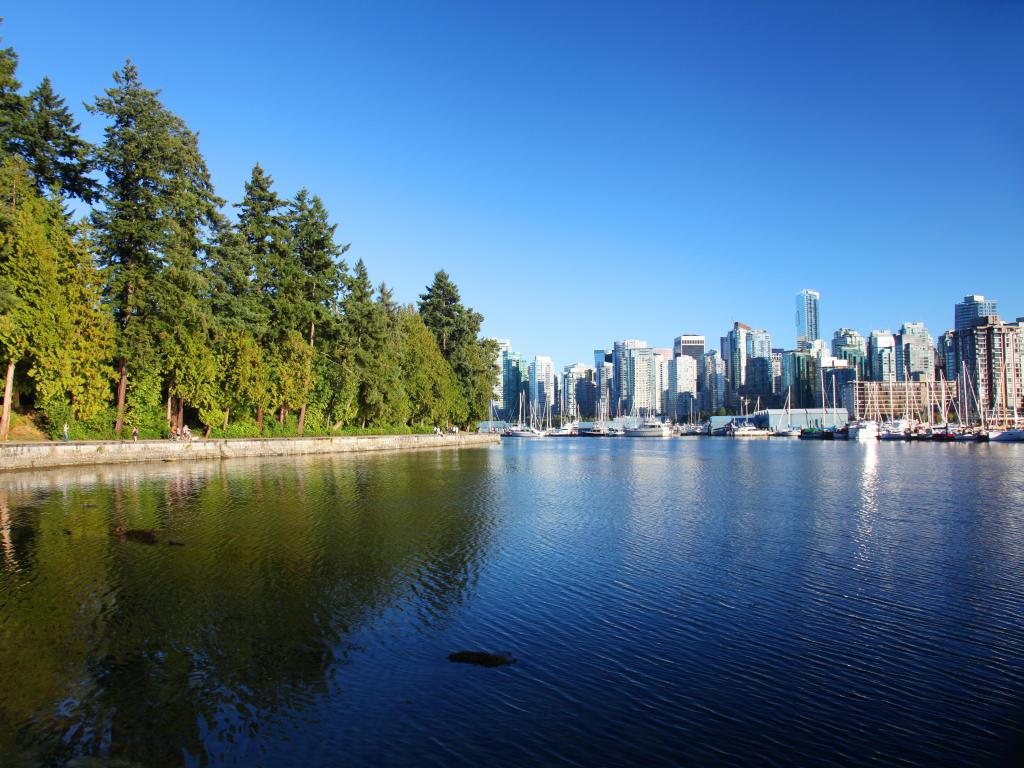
748	430
522	430
893	430
566	430
1007	436
863	430
649	428
789	430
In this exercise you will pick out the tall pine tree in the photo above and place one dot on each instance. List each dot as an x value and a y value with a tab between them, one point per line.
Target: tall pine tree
155	207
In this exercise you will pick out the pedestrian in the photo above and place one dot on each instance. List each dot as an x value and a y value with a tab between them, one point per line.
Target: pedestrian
65	431
174	431
186	433
135	434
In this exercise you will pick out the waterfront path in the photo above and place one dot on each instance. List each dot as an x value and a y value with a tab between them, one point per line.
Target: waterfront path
60	454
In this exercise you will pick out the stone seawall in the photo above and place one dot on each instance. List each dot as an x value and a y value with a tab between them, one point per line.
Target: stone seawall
59	454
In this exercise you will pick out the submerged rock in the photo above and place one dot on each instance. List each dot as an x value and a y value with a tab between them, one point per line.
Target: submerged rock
173	543
141	535
481	658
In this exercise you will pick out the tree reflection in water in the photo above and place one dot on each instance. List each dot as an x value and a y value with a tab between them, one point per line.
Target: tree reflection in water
158	654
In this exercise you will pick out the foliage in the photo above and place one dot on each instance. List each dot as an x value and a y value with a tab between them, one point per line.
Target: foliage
158	307
456	329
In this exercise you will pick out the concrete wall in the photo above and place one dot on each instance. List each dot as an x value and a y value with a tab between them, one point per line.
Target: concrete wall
60	454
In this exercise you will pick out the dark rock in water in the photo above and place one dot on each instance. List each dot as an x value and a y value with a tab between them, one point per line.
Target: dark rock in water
141	535
173	543
67	531
481	659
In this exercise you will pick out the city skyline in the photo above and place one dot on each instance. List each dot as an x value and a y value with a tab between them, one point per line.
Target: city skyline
622	174
825	330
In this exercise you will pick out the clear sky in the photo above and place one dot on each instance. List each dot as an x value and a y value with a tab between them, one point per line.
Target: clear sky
589	172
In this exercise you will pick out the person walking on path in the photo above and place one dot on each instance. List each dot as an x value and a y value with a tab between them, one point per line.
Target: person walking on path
135	434
65	431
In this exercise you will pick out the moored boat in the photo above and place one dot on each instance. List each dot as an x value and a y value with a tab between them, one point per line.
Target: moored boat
863	430
649	428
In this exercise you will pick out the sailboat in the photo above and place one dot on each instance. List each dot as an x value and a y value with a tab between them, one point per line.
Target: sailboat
862	430
520	429
789	430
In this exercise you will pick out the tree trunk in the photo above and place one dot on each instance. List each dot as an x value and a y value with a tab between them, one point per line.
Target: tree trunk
122	388
226	412
281	415
206	434
5	419
259	417
181	413
302	410
168	408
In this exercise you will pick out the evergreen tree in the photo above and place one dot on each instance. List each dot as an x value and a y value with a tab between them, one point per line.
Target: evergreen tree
53	318
157	205
433	391
12	103
456	329
59	159
322	268
269	266
372	361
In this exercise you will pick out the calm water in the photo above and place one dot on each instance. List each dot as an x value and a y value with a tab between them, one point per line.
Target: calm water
697	601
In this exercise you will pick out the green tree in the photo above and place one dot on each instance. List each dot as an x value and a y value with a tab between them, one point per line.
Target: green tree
59	159
52	315
433	391
12	103
156	204
457	329
322	269
371	360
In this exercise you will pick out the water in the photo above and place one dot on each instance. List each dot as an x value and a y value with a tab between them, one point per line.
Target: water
691	601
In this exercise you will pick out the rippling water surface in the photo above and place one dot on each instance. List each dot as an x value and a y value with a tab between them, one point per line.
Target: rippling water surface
701	601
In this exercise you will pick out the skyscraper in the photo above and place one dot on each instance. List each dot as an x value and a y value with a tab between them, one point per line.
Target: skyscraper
542	385
758	378
641	381
971	309
513	374
734	351
620	374
847	338
498	397
915	354
713	381
807	318
688	344
682	387
992	354
882	356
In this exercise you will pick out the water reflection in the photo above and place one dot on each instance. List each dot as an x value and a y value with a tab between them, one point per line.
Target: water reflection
179	652
671	602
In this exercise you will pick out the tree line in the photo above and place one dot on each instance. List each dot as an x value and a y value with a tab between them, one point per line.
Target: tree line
158	307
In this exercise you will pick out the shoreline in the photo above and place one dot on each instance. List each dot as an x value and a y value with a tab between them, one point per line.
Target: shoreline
43	455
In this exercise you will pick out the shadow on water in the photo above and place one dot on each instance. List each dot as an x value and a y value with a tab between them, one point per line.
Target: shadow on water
164	655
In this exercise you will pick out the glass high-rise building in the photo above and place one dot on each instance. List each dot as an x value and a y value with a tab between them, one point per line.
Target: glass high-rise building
971	309
807	318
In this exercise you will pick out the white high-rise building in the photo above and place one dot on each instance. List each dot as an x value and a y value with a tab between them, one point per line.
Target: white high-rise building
882	356
682	387
915	353
542	385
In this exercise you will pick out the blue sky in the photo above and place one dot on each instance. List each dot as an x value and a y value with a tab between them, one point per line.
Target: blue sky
589	172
